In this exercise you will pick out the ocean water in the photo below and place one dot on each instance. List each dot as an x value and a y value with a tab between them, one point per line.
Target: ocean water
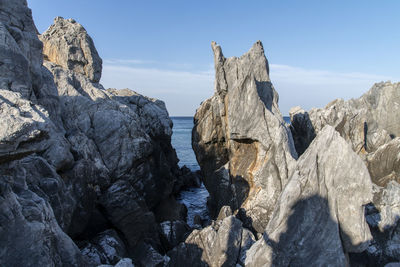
194	198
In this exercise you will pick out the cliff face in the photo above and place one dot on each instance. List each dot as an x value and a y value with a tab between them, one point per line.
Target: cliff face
77	162
244	149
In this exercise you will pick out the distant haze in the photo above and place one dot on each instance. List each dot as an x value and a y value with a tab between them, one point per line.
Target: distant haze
317	52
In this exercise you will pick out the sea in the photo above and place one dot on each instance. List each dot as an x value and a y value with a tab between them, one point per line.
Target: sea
194	198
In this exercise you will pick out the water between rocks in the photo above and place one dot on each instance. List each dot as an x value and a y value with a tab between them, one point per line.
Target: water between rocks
194	198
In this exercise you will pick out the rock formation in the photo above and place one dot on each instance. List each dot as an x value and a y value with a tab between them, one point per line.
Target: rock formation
79	165
244	149
320	215
366	123
223	243
67	44
370	125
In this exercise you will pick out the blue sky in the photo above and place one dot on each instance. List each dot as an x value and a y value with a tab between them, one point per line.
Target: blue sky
317	50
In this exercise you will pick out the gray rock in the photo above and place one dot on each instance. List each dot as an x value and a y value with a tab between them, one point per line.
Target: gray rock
106	248
225	211
383	217
242	144
20	50
67	145
220	244
366	123
29	232
146	255
173	233
126	262
384	163
128	213
320	215
66	43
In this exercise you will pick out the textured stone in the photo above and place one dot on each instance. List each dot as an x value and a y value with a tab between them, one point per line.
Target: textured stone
383	217
220	244
74	158
20	50
29	232
366	123
66	43
320	215
384	163
173	233
106	247
128	213
244	149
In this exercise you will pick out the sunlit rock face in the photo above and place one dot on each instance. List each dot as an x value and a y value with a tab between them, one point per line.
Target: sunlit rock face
319	216
370	124
66	43
244	149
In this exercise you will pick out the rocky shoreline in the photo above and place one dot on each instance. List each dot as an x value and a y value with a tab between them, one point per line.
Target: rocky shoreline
88	175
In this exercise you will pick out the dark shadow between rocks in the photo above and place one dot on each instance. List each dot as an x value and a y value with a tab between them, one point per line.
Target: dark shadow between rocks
303	131
266	94
375	255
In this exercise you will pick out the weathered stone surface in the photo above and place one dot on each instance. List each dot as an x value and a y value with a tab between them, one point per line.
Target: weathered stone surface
66	43
220	244
366	123
107	247
74	158
244	149
383	217
20	49
384	163
128	213
320	215
29	232
173	232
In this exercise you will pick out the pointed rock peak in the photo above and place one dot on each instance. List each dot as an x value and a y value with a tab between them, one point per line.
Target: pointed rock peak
66	43
218	55
257	46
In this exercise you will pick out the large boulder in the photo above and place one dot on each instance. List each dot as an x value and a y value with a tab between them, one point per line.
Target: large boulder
66	43
223	243
244	149
319	217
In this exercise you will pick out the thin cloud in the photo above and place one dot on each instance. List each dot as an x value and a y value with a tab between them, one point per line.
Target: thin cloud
184	90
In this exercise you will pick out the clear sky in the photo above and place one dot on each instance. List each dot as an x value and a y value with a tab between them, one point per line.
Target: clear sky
317	50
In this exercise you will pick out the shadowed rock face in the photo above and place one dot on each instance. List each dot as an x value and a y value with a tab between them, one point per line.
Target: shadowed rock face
244	149
66	43
320	215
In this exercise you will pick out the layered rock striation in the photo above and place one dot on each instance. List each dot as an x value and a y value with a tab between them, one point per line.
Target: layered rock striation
243	147
83	170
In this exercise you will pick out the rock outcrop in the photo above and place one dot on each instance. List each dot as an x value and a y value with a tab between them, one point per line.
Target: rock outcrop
320	215
370	125
79	165
244	149
223	243
66	43
366	123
